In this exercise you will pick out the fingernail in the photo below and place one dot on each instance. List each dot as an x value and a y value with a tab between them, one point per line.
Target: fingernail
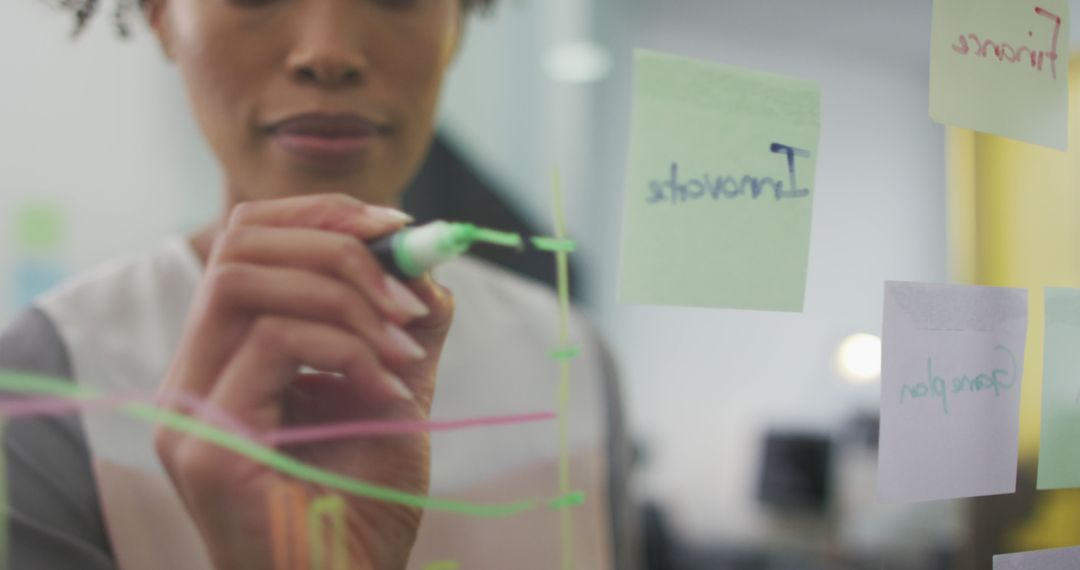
305	369
406	300
392	214
398	386
405	343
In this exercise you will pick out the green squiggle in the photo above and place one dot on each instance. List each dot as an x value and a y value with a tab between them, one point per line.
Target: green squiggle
4	552
568	353
32	384
443	565
571	500
495	237
300	470
562	267
554	244
327	507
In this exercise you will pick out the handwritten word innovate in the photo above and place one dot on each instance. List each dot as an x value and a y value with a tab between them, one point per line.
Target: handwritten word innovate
1005	52
674	191
936	387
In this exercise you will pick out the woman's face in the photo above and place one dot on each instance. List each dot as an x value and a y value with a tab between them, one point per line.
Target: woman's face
312	96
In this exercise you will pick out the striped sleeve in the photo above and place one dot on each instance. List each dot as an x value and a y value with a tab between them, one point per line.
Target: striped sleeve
54	517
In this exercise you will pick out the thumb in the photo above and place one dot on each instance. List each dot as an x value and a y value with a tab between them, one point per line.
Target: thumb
430	331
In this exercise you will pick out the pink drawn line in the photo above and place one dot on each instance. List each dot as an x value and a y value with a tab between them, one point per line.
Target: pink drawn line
339	431
51	406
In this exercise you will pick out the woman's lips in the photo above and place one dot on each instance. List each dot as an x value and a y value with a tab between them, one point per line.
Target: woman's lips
323	138
322	148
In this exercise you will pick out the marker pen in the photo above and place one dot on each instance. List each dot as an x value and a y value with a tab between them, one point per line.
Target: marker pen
411	251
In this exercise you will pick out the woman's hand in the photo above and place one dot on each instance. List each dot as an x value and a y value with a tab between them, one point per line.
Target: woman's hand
290	282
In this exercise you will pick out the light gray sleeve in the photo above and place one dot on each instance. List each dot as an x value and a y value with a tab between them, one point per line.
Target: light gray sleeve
55	519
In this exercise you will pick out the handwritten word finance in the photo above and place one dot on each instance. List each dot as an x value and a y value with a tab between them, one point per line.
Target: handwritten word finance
675	191
997	380
1006	53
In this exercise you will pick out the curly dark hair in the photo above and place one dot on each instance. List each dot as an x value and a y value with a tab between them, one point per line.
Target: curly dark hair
85	9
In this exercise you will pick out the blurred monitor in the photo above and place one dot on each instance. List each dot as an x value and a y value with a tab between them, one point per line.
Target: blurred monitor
795	471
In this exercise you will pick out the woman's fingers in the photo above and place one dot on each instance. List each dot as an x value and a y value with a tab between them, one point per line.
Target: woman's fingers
254	382
329	212
290	283
301	257
240	293
258	289
330	253
320	235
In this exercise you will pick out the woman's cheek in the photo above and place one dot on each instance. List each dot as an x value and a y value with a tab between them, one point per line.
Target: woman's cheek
418	52
223	83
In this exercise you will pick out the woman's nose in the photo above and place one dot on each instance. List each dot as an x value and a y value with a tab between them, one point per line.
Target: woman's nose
328	50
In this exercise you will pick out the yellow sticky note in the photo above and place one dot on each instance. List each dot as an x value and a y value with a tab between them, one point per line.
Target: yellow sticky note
721	184
1001	67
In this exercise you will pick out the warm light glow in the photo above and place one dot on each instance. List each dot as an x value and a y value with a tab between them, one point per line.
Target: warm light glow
858	358
577	62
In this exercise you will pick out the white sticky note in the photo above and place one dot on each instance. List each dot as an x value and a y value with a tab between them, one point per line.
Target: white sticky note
1056	559
952	362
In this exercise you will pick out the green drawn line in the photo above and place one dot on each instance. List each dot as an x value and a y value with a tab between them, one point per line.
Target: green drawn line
570	500
31	384
554	244
443	565
332	507
506	239
290	466
4	562
568	353
27	383
562	267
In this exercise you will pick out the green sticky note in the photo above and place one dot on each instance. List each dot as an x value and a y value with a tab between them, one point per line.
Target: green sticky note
720	187
39	226
1059	453
1001	67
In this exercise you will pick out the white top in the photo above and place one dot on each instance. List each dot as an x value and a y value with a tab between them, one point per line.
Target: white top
122	323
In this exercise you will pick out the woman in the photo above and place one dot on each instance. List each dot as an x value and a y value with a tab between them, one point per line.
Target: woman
319	112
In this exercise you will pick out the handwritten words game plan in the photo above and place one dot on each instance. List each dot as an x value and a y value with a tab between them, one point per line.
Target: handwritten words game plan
1001	67
720	187
952	363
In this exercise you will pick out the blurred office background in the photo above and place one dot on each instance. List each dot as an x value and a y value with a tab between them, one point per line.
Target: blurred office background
756	431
